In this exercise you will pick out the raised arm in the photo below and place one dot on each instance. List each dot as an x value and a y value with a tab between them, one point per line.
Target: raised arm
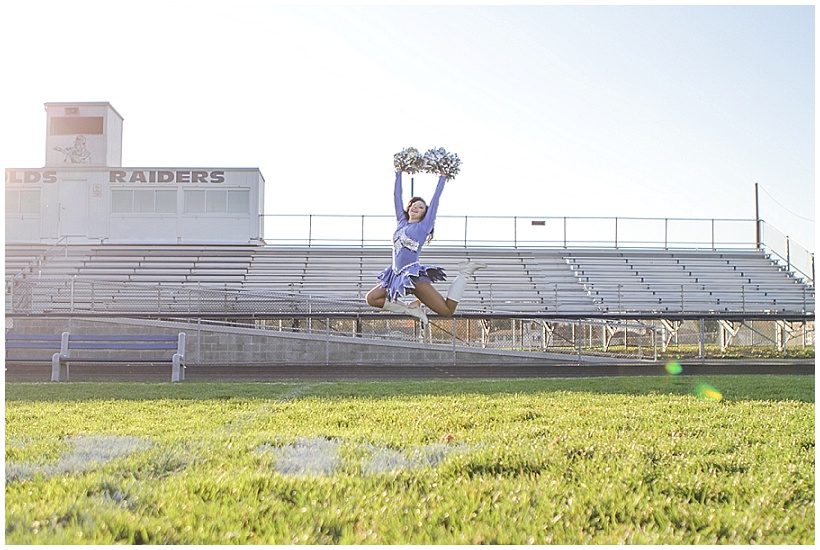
432	208
397	200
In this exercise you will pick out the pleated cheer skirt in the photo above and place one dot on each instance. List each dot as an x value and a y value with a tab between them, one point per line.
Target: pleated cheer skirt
399	284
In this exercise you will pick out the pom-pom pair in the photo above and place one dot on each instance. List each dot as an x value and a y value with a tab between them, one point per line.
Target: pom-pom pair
434	161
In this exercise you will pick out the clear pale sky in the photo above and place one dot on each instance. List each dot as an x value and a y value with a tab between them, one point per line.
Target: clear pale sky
643	111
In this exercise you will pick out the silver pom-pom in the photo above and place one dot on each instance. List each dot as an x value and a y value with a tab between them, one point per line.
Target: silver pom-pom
438	161
408	160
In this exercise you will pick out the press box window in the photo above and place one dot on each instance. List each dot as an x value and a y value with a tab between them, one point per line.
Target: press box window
70	125
143	201
217	201
194	202
239	202
166	202
122	202
22	201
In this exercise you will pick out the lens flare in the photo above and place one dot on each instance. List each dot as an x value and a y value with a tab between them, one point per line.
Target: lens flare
705	391
674	368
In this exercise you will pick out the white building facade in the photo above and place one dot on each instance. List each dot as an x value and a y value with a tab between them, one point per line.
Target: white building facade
84	195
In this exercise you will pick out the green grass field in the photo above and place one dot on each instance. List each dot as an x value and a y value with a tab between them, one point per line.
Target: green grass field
618	460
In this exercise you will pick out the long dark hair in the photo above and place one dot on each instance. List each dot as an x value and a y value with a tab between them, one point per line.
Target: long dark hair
407	215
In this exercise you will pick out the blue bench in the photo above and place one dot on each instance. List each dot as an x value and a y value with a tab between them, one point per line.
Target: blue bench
68	345
32	347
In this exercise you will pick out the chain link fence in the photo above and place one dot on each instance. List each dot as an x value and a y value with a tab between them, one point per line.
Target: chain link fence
651	339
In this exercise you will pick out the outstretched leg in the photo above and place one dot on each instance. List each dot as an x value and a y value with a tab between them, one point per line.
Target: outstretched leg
429	296
377	297
446	307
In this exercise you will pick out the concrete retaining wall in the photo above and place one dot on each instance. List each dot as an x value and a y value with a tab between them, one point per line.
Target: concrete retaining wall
220	345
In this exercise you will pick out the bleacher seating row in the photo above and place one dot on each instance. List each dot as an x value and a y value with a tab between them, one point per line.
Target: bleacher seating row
537	281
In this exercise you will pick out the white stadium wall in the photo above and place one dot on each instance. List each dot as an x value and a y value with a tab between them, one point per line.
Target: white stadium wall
83	195
134	205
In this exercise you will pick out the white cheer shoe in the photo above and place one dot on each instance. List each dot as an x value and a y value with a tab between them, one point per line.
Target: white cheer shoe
468	269
414	311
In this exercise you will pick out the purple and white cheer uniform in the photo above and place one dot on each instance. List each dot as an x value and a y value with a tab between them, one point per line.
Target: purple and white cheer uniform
408	240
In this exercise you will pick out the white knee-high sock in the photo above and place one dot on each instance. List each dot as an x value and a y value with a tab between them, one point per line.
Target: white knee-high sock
457	288
459	284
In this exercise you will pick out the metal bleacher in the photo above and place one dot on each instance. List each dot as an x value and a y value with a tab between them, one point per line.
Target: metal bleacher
698	281
259	281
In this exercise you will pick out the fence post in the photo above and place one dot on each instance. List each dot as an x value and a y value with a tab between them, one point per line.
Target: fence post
743	298
454	338
579	341
199	339
788	255
713	233
565	231
757	220
654	342
515	231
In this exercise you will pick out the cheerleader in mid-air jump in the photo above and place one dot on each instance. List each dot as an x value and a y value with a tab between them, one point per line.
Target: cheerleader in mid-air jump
415	228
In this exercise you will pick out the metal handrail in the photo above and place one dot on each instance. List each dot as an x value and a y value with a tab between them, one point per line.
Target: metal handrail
41	258
507	231
546	232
